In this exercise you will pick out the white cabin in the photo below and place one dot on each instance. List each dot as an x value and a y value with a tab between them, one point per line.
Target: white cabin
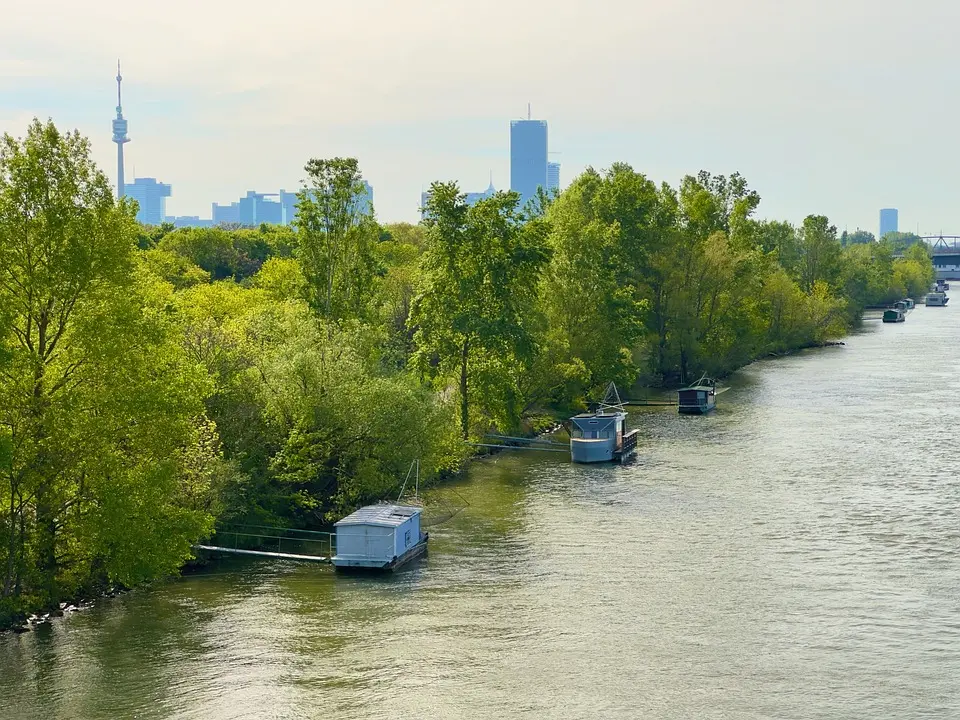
378	536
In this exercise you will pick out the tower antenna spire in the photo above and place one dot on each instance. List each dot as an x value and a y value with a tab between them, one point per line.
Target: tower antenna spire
120	136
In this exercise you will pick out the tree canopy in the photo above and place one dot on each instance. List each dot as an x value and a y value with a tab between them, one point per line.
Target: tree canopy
156	383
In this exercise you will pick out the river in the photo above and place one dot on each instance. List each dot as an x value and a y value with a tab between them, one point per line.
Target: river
792	555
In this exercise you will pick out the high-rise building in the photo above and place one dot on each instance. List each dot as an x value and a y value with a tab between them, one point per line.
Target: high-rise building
226	214
889	221
120	136
553	176
151	196
255	208
528	157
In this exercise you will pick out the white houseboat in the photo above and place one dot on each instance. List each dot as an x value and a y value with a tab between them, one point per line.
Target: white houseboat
601	436
937	299
379	537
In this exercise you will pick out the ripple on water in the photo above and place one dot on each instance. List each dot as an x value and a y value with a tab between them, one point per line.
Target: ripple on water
792	555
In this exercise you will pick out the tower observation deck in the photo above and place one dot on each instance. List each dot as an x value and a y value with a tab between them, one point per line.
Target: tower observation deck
119	136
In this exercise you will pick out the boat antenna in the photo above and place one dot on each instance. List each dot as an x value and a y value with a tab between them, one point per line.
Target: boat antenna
414	466
611	399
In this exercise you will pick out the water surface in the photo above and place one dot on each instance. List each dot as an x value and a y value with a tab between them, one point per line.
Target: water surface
792	555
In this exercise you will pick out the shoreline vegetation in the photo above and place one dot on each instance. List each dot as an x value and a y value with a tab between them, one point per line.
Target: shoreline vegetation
157	382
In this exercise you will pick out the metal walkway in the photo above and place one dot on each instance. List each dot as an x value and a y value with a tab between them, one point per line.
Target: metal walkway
264	553
272	542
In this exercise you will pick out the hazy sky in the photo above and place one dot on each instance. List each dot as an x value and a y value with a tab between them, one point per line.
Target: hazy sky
837	107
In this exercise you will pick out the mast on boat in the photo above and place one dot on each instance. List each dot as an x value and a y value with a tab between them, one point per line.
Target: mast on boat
611	400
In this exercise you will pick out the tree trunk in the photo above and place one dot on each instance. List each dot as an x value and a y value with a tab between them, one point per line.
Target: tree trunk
464	403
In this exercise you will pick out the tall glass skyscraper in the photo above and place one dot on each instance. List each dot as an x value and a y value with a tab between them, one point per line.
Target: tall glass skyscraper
553	176
889	221
528	157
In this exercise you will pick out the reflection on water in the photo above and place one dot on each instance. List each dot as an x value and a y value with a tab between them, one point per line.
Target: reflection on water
792	555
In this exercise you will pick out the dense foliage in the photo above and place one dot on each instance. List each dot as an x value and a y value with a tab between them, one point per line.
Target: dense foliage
156	381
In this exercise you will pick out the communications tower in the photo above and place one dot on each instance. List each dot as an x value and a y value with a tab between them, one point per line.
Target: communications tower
120	137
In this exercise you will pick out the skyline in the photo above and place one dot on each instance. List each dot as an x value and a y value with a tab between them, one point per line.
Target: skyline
787	96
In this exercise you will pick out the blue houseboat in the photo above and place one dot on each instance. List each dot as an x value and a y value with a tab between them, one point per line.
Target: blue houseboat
379	537
601	436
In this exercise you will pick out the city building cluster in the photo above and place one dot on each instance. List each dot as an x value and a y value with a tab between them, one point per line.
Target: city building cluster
530	169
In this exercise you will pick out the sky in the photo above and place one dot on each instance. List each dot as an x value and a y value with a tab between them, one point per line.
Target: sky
833	107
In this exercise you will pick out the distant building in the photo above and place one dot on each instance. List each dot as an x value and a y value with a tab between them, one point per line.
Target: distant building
151	196
889	221
226	214
365	199
288	207
120	138
472	198
255	208
553	176
185	221
528	158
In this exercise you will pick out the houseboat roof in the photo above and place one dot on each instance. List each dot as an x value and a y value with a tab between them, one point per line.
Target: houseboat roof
383	515
598	416
699	387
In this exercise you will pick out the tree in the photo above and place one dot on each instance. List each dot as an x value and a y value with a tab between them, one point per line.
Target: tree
819	252
858	237
335	238
479	281
602	236
97	402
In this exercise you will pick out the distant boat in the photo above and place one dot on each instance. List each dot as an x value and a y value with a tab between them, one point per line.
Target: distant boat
698	399
601	436
900	305
937	299
894	315
909	303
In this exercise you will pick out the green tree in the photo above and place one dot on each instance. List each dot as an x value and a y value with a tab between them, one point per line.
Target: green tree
858	237
97	401
336	234
479	282
819	251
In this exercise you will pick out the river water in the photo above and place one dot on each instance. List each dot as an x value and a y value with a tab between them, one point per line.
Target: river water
792	555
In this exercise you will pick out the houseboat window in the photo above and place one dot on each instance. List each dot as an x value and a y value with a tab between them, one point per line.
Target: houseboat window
577	433
406	538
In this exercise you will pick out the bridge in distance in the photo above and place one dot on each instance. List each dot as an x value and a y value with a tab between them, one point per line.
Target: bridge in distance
946	255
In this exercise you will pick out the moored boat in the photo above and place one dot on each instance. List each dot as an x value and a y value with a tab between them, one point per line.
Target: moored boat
894	315
379	537
910	303
698	399
601	436
937	299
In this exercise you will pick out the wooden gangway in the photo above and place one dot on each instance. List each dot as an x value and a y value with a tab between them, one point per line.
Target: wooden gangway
272	542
